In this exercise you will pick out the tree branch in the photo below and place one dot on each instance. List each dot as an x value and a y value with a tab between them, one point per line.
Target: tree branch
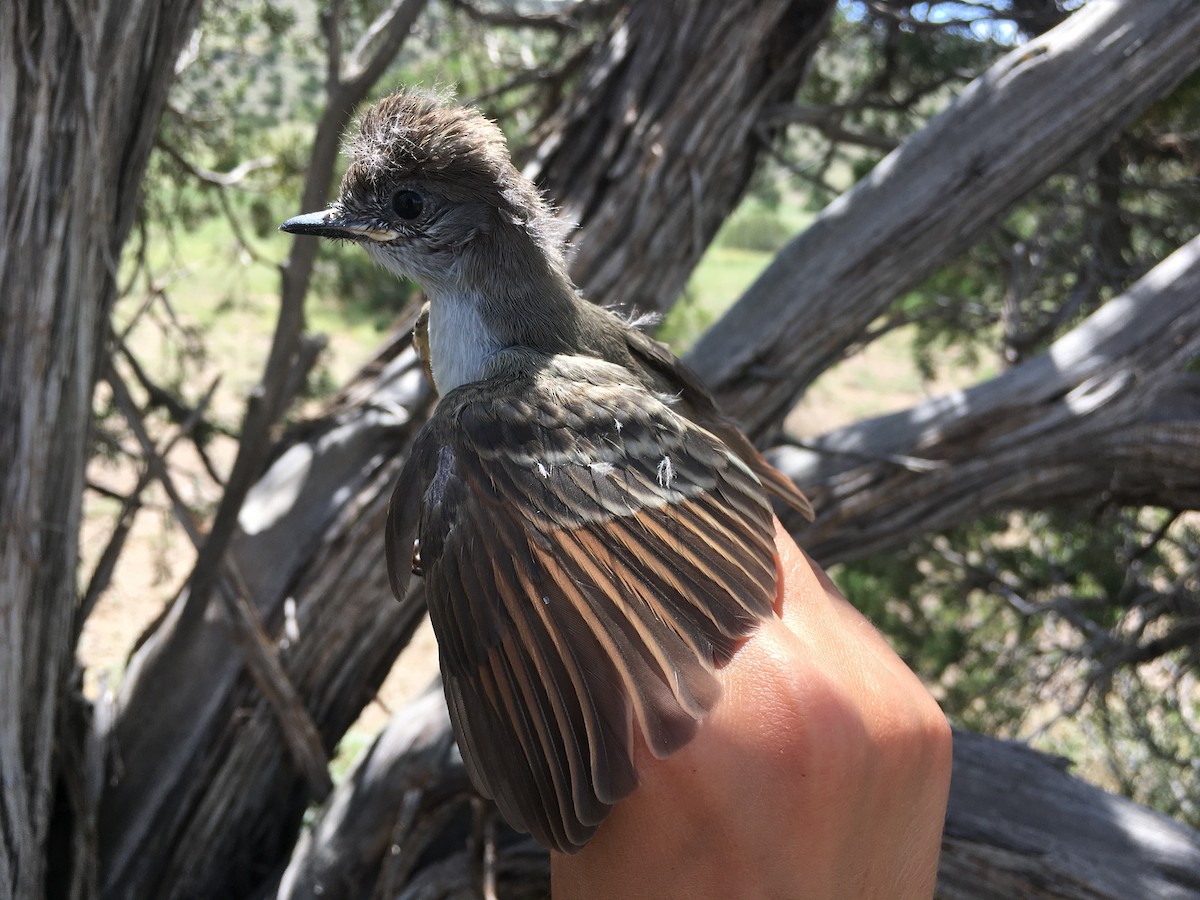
379	44
295	724
828	120
924	203
1107	412
565	20
102	574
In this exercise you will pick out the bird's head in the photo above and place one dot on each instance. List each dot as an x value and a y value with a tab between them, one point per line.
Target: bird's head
430	189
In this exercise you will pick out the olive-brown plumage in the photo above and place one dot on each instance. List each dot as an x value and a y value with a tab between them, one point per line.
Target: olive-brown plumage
595	536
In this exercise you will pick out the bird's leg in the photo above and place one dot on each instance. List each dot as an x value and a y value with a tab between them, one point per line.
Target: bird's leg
483	863
421	342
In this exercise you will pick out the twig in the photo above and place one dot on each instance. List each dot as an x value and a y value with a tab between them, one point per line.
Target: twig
331	27
911	463
299	731
380	43
483	847
221	182
102	575
103	491
178	411
907	19
828	121
564	21
213	178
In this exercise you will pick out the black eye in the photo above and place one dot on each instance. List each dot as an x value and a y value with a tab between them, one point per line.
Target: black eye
407	204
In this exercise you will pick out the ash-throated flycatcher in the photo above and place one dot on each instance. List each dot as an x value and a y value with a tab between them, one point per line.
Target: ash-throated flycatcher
595	536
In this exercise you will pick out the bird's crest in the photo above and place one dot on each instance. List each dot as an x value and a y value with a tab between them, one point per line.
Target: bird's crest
416	135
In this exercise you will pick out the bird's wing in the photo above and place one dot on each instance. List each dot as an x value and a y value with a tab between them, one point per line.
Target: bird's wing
589	557
676	375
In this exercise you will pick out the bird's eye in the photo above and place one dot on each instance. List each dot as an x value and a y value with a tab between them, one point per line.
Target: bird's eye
407	204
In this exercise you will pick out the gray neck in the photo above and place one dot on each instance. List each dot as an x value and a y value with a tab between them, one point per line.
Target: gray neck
505	291
461	343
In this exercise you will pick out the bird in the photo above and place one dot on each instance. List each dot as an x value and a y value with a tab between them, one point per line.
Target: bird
596	538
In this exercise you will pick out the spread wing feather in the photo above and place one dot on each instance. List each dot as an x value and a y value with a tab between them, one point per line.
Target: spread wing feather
590	557
659	359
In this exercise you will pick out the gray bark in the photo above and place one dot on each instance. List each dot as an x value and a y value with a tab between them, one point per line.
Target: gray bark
1106	414
375	809
1020	826
81	91
651	189
1041	106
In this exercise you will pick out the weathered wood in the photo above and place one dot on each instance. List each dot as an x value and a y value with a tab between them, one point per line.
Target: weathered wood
343	855
1039	107
81	90
657	147
1020	826
1107	413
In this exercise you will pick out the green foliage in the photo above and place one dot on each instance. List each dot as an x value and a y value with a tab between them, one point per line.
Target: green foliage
1074	243
1066	628
755	229
1019	624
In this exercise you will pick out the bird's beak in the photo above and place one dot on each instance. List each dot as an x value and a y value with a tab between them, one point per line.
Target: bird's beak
335	222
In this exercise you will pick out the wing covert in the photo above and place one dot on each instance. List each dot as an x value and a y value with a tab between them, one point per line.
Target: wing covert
591	556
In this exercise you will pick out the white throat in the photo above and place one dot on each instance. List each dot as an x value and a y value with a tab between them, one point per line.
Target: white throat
460	344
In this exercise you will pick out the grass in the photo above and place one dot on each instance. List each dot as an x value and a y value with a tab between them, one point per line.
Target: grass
722	276
743	248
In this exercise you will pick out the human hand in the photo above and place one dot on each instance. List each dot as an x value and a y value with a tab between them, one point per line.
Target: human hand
823	773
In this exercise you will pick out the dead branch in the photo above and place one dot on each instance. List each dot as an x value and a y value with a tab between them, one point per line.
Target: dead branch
1108	412
930	198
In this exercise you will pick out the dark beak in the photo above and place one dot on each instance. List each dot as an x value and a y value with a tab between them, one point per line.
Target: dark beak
337	223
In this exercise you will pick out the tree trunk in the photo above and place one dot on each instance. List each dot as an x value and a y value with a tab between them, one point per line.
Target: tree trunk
1107	413
400	781
657	146
1039	107
1020	826
81	91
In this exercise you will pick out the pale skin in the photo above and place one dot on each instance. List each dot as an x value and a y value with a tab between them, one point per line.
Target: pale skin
823	773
